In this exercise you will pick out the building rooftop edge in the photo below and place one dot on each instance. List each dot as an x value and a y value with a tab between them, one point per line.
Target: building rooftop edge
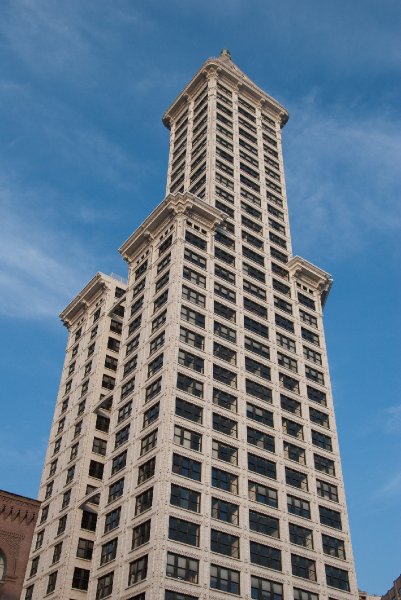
183	203
224	63
300	267
20	497
84	296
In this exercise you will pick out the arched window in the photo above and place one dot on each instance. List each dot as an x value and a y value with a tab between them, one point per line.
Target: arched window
2	565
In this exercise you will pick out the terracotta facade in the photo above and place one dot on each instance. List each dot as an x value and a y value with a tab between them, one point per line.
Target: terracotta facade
18	516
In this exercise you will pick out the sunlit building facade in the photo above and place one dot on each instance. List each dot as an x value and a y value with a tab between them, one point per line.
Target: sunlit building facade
194	452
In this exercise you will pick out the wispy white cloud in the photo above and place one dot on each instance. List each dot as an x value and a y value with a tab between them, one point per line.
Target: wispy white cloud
392	420
343	180
41	267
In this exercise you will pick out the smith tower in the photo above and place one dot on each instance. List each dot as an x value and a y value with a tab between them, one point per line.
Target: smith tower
206	461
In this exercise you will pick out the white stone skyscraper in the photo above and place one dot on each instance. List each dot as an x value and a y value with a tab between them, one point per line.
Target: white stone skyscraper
193	452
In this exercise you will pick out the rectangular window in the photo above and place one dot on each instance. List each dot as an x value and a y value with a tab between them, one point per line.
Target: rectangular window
286	342
293	429
151	415
260	439
261	415
297	506
263	589
330	517
187	438
224	399
146	470
225	332
258	391
296	479
294	453
316	395
109	551
314	375
333	546
182	567
191	361
224	481
138	570
140	534
256	327
195	258
153	389
121	436
225	579
265	556
257	368
309	336
289	383
194	277
189	385
313	356
222	451
186	467
144	501
306	301
257	347
224	353
224	543
187	410
118	462
112	519
51	582
225	425
148	442
284	323
159	321
264	524
192	316
225	376
254	290
195	240
337	578
227	294
301	536
322	441
116	490
290	405
185	498
327	490
225	311
319	417
261	465
224	256
124	412
305	595
184	532
191	338
263	494
287	362
307	318
104	586
225	511
193	296
323	464
303	567
157	343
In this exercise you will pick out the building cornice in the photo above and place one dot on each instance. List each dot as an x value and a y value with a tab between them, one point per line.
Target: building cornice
81	302
174	204
307	273
223	64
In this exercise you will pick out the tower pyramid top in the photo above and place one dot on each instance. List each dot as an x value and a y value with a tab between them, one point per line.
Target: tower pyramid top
224	69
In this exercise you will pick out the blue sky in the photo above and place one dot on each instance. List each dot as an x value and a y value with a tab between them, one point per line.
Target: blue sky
83	86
